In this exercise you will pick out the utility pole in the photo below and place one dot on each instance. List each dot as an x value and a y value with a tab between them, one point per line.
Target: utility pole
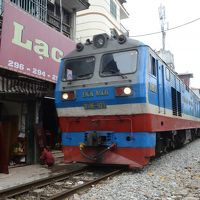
167	56
161	11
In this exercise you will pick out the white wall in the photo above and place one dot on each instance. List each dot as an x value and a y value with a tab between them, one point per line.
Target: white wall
97	19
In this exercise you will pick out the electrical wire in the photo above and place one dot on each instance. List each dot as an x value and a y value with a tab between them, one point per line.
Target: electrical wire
158	32
169	29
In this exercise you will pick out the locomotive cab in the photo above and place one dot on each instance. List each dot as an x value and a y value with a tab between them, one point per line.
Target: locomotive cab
105	62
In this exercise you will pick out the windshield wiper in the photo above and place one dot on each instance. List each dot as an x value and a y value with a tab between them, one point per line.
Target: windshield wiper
114	72
83	75
122	75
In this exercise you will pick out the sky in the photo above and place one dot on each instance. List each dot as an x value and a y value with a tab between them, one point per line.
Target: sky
183	42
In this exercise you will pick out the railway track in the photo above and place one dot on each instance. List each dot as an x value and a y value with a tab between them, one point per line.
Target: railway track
58	186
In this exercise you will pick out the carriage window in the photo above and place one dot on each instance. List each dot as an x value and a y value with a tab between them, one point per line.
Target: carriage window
167	74
76	69
153	66
119	63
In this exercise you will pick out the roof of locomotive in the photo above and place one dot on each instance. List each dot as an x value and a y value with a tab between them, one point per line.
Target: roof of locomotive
110	44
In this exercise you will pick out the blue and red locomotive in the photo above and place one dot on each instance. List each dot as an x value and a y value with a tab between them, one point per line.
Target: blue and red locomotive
119	103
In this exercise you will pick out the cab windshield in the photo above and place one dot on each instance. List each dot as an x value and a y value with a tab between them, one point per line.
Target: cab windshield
82	68
119	63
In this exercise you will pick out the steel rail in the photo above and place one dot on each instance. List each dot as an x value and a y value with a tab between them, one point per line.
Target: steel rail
17	190
69	192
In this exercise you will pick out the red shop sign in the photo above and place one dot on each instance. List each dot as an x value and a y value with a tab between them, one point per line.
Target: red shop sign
29	46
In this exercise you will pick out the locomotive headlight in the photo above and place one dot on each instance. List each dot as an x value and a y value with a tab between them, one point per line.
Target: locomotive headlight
123	91
66	96
122	39
100	40
79	46
127	90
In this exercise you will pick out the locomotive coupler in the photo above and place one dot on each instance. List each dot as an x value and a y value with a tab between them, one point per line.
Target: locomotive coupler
98	155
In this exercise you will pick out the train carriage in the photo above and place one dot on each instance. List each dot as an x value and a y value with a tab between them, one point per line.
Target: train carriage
119	103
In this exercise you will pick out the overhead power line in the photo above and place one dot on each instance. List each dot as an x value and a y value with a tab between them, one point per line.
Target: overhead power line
169	29
157	32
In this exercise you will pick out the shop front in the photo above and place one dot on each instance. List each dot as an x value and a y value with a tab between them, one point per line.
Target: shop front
30	52
20	104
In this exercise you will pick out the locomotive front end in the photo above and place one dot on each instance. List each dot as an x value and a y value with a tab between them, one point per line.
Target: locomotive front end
100	101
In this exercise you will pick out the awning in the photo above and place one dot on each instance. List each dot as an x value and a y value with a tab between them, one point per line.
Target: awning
17	85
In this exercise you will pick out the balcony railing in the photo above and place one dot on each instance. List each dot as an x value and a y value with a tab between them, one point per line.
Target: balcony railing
54	22
37	8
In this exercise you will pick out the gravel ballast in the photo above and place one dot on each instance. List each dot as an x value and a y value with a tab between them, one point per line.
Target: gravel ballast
174	176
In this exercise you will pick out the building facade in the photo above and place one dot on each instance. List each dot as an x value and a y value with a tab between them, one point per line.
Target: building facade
185	77
101	17
196	91
34	36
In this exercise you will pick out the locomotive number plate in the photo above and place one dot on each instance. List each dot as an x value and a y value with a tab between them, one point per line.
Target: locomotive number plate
93	106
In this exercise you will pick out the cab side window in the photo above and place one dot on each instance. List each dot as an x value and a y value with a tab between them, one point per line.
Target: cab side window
153	66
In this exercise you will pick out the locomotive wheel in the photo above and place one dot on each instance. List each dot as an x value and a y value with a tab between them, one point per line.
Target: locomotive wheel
180	139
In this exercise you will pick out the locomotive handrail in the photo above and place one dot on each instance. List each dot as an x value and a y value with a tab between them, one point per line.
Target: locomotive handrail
98	155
